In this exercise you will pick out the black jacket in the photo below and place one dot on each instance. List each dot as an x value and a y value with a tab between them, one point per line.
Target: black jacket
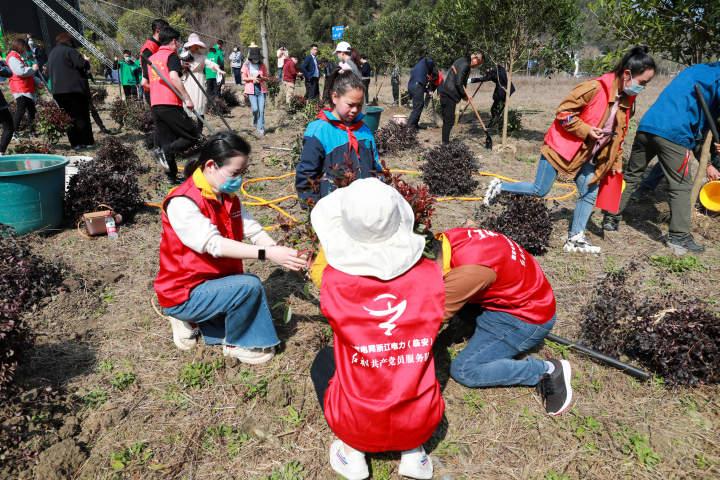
68	70
497	75
457	77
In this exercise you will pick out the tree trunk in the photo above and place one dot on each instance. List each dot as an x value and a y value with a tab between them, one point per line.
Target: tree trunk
264	34
510	66
702	167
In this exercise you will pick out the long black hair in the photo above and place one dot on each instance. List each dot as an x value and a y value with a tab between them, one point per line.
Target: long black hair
219	147
341	81
637	60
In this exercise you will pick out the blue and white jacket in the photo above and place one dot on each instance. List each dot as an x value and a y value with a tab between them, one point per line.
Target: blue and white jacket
326	154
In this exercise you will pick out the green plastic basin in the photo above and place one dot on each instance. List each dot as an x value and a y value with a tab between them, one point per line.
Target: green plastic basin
372	117
32	188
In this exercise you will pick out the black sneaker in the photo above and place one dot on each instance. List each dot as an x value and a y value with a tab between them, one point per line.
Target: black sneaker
555	388
680	245
610	223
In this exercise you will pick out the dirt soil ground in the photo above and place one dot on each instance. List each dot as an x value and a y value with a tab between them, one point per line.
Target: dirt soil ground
125	403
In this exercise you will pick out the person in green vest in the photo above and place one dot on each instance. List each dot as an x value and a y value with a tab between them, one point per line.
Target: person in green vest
128	68
211	76
219	49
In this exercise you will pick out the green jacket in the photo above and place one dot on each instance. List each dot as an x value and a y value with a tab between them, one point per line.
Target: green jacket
129	72
210	74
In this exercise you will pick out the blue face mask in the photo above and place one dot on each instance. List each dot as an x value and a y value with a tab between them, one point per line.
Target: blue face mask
231	184
634	89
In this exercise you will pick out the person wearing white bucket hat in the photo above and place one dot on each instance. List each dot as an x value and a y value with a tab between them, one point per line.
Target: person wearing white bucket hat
195	58
384	301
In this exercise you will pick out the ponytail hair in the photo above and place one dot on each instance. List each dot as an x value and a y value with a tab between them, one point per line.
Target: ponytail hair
340	82
637	60
219	148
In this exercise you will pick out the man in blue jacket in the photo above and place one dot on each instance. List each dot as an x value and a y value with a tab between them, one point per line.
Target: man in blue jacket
311	72
671	129
422	80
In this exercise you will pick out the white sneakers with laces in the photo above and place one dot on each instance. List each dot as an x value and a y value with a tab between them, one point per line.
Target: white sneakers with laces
578	243
416	463
348	462
184	336
253	356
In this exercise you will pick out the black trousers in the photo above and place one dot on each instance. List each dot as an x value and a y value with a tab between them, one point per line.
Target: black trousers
8	128
367	90
312	88
130	91
395	83
321	371
448	115
212	87
417	92
77	105
23	105
175	132
496	113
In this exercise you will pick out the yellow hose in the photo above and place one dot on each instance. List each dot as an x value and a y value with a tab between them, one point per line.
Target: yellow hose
262	202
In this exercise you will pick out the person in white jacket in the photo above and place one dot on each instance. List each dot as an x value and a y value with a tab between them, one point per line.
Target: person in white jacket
195	60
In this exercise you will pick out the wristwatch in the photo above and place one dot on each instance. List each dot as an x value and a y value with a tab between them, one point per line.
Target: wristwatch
261	254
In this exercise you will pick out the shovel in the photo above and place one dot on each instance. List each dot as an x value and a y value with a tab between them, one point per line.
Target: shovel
488	138
462	112
210	100
177	93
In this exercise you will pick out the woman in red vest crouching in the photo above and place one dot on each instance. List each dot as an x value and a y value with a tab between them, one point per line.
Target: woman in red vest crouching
493	282
585	140
201	279
384	302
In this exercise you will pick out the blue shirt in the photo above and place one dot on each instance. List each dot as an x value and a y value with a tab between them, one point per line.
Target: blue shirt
677	115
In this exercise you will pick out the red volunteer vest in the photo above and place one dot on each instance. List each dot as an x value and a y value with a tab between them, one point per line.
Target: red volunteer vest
150	44
384	395
565	143
17	83
182	269
520	289
160	93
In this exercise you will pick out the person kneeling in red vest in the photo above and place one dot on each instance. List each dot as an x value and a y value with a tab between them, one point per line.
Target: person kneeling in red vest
494	282
201	279
384	301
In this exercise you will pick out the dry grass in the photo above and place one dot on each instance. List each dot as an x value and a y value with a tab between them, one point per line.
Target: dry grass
618	427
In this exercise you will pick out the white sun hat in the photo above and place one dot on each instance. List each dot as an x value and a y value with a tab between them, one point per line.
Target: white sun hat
194	39
366	229
343	47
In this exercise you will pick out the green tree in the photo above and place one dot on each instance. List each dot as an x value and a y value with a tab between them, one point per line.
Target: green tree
685	31
510	32
395	38
284	26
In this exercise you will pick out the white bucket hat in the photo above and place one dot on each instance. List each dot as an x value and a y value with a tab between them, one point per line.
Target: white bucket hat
366	229
194	39
343	47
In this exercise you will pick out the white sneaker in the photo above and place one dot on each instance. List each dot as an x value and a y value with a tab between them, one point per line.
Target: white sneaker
253	356
351	465
492	191
578	243
416	463
184	336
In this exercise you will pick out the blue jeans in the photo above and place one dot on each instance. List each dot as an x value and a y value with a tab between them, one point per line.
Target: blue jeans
257	103
488	358
544	179
231	310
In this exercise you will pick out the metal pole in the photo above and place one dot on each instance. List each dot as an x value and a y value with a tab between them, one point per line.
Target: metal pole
202	89
176	92
602	358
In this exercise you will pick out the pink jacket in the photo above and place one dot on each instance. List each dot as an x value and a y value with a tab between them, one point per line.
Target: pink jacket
249	84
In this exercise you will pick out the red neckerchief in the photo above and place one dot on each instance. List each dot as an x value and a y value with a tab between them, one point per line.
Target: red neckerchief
352	140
